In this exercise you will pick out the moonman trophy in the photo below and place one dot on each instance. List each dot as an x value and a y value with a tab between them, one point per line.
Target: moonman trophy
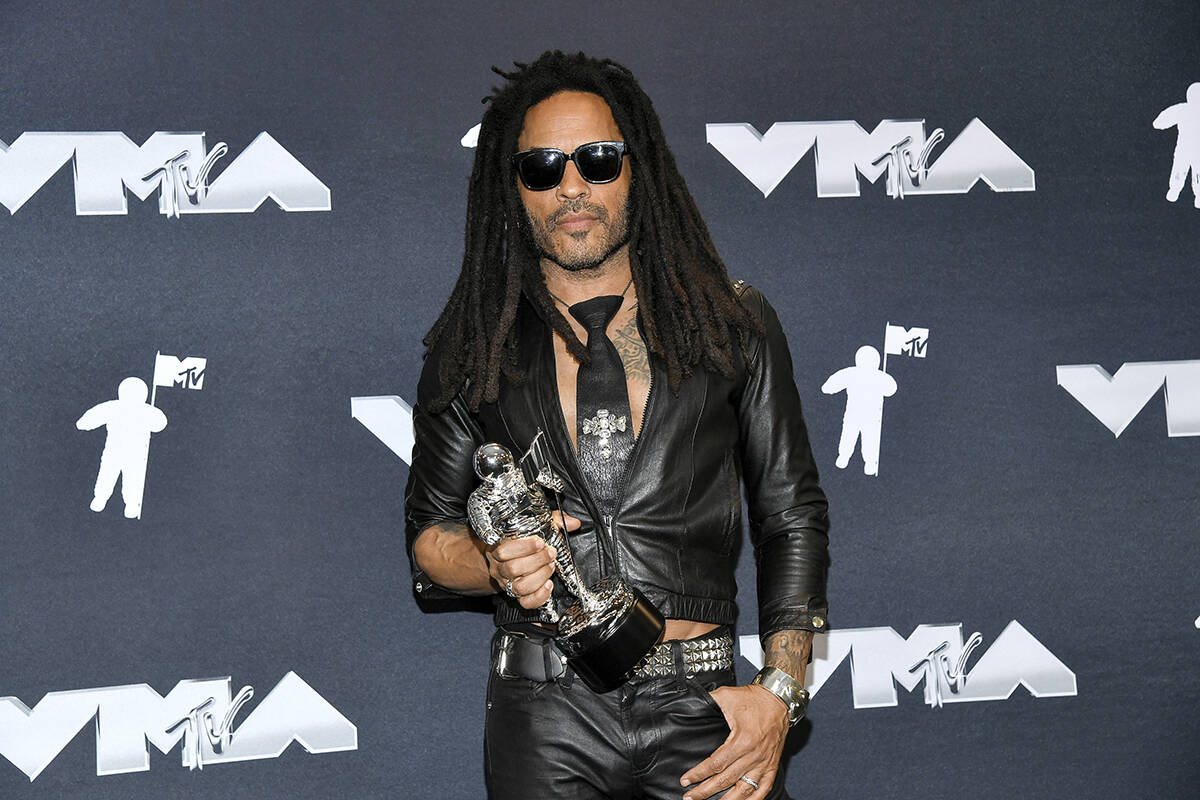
608	628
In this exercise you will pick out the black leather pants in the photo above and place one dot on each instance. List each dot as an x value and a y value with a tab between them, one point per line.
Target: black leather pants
559	739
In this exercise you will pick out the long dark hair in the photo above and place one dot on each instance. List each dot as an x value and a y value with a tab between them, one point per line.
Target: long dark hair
690	315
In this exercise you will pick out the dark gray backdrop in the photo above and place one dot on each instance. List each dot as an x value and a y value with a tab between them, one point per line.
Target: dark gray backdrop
271	536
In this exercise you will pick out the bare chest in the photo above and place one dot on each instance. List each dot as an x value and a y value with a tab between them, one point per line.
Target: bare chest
623	333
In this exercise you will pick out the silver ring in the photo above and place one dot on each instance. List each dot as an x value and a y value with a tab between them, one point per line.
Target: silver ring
749	780
508	589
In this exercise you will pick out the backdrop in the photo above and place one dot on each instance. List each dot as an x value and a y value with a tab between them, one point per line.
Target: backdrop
254	211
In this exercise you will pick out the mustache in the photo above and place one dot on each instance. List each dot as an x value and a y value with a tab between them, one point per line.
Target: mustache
574	207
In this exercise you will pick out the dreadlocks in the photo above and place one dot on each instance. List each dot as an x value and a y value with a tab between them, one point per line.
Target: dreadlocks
690	315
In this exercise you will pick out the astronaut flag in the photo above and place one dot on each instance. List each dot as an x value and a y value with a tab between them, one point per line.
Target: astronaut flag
186	373
901	341
536	459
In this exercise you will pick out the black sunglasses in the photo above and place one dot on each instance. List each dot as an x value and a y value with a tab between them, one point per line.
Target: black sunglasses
542	167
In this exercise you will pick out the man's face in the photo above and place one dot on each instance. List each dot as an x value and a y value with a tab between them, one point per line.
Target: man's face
577	224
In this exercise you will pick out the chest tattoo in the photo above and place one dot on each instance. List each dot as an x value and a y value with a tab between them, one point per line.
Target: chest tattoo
632	351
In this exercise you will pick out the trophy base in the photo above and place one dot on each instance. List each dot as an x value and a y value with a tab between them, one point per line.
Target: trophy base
604	653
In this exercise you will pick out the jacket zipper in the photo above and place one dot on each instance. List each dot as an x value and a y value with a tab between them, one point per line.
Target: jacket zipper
612	542
607	520
610	519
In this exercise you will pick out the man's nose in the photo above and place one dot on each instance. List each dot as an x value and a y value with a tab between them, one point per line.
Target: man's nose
572	184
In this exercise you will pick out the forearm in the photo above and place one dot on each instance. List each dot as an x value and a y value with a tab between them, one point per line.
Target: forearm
791	579
453	558
789	650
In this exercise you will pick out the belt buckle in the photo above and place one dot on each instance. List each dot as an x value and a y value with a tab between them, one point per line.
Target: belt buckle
504	652
551	664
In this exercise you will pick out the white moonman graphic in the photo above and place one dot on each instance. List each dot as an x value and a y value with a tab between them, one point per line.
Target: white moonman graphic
130	421
1186	117
865	385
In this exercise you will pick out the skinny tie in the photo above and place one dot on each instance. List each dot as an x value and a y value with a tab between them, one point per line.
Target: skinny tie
603	423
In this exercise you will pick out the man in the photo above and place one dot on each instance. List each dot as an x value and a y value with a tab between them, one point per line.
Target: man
586	258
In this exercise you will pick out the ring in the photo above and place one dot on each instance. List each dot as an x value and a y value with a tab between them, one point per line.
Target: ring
508	589
749	780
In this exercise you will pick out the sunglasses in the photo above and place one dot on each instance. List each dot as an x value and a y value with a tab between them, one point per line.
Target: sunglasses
542	167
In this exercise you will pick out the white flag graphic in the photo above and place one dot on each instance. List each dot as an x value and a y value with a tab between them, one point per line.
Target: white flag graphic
186	373
901	341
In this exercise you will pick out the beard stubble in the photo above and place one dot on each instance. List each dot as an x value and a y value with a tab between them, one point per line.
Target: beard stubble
610	234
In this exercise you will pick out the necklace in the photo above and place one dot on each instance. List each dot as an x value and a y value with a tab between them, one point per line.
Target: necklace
568	305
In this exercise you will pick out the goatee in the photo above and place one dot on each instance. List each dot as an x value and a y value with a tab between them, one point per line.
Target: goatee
610	233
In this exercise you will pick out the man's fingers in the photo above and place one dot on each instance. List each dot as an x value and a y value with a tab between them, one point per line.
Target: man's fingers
532	582
566	521
513	569
765	781
730	777
508	549
539	597
522	568
714	764
726	778
764	784
724	770
742	790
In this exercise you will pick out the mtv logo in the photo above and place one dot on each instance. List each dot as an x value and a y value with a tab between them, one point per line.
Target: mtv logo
934	655
897	148
184	373
109	166
1117	399
197	713
900	341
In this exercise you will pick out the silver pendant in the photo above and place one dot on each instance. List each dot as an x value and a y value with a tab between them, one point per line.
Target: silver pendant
603	426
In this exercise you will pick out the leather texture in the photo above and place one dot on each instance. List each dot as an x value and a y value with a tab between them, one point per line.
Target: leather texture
603	420
677	524
559	739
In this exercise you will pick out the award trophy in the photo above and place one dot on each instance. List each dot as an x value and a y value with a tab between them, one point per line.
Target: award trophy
609	627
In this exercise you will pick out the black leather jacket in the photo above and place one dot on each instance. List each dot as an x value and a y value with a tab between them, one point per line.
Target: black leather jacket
679	518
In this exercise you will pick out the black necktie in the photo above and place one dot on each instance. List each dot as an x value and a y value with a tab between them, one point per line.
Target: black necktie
602	420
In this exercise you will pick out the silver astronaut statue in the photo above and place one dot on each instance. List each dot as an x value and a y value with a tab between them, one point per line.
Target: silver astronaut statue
604	630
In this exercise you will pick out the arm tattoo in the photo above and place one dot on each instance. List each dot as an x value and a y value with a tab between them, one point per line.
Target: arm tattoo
788	651
632	351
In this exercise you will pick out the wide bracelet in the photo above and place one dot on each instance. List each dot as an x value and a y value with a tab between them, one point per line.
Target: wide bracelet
787	689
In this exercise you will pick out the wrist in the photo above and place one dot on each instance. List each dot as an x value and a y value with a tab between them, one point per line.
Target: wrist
787	689
775	701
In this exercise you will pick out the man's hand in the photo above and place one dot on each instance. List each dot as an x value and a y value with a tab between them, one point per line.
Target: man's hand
523	567
758	726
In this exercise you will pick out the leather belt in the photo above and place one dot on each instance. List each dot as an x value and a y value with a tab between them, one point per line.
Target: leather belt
536	658
519	655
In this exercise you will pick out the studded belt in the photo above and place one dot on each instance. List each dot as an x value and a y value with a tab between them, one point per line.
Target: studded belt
687	658
516	655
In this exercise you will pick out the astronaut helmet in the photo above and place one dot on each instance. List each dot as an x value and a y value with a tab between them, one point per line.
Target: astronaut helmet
133	390
492	461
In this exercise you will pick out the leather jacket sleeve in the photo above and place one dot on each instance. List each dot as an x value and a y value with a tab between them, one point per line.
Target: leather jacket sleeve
441	475
788	513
